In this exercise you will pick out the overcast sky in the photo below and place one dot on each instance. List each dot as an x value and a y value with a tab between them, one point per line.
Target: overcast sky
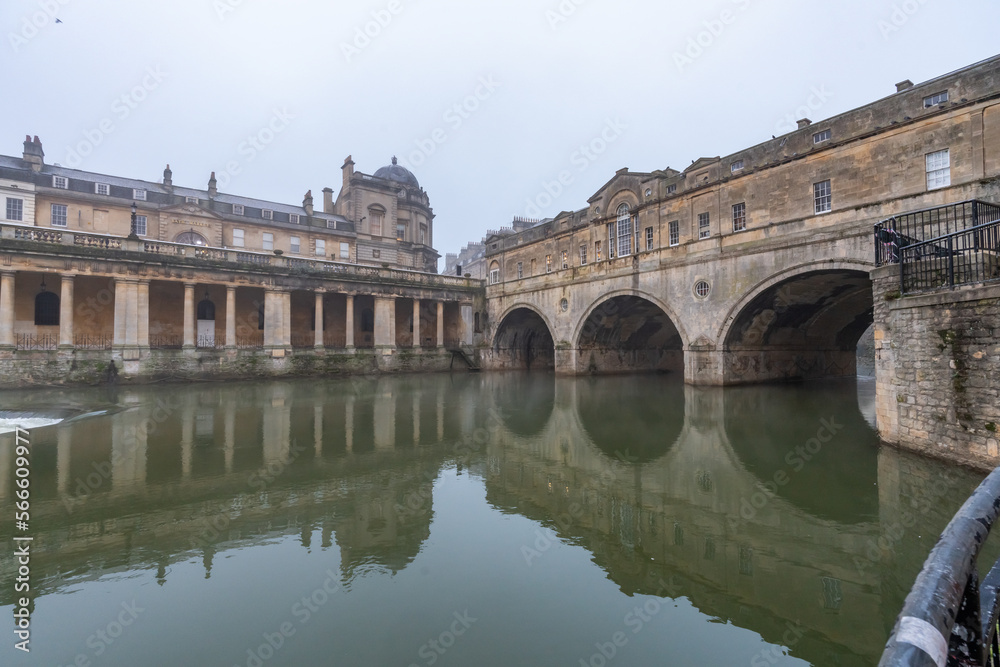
274	95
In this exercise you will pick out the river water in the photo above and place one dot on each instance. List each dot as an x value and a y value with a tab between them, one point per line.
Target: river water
475	520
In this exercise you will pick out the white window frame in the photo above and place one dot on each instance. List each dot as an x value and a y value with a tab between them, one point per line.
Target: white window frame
565	259
823	135
267	214
740	216
494	276
103	189
736	166
624	225
423	234
583	254
548	264
293	218
649	238
60	182
611	240
320	247
704	225
141	225
237	209
822	197
674	233
597	250
938	168
62	218
19	206
294	244
138	194
239	238
191	200
267	241
935	99
345	250
401	231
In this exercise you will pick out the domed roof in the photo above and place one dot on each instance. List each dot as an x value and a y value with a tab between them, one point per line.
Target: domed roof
395	172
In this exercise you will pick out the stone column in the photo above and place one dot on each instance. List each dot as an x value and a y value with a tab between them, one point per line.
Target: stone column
189	323
131	314
349	322
121	312
66	312
286	319
142	300
7	309
385	322
318	319
467	327
440	324
273	327
231	317
416	324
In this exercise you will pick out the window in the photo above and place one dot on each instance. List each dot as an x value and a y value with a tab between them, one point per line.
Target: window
320	248
15	208
671	189
268	243
583	254
267	214
60	182
494	273
400	232
294	244
935	99
736	166
820	137
345	250
649	238
739	217
702	288
597	251
532	267
520	270
102	189
59	215
704	226
649	192
140	225
376	221
237	238
293	218
674	232
822	197
191	200
191	238
237	209
47	309
624	231
423	234
611	240
565	259
138	195
938	169
548	264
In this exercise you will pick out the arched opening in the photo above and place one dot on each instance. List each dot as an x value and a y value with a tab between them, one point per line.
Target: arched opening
191	238
524	341
206	322
47	309
807	326
206	310
628	334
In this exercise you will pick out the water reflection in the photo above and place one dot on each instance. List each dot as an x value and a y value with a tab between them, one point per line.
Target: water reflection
739	498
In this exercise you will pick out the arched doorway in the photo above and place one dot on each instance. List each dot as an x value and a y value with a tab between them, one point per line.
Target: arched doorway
523	341
206	322
627	334
191	238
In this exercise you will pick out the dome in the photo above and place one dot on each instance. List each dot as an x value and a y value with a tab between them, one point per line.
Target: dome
395	172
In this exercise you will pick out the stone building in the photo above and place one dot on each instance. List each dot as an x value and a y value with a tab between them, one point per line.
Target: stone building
472	258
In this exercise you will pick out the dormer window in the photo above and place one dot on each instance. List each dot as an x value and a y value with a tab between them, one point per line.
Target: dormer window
102	189
237	209
935	99
820	137
267	214
671	189
60	182
736	166
293	218
191	200
138	195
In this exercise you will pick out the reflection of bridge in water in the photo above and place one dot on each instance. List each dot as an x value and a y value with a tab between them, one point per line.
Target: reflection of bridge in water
672	494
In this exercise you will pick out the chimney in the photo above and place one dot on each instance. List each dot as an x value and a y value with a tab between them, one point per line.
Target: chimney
213	188
33	153
904	85
327	200
805	122
307	203
348	170
168	178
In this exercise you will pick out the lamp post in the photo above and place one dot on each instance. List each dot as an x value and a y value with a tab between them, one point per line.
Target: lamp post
132	234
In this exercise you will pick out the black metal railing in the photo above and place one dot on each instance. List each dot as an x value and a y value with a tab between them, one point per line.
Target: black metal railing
161	342
250	341
90	342
945	246
36	342
948	617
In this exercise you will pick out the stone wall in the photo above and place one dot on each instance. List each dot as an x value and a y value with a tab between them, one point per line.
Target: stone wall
937	354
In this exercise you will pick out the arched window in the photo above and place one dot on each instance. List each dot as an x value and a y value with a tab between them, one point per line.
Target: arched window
494	273
47	309
367	320
191	238
206	310
624	231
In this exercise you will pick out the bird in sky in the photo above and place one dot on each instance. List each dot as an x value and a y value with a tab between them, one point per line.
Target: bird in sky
58	20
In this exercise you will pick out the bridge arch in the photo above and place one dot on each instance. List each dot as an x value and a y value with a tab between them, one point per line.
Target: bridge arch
523	339
629	331
803	322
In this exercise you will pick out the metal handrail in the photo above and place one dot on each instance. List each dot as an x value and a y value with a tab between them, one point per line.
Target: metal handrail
948	618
